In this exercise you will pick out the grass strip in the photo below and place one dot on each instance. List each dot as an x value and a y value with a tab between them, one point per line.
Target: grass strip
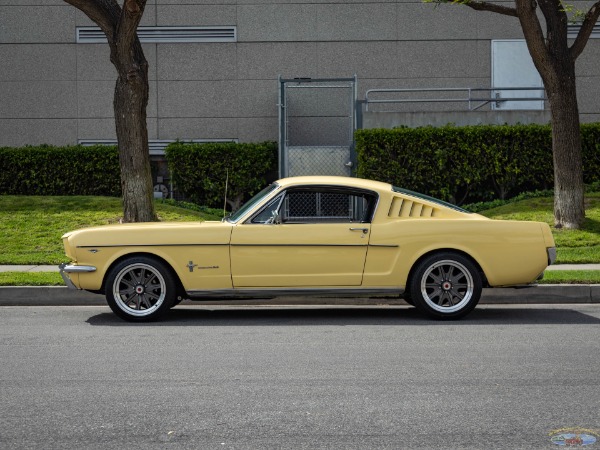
31	279
571	277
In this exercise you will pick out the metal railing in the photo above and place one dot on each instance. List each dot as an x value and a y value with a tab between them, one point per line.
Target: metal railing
472	96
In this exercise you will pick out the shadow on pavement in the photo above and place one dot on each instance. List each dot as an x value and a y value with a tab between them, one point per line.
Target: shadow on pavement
400	316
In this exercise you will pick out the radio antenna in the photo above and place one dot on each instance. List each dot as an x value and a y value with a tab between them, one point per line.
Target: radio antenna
226	183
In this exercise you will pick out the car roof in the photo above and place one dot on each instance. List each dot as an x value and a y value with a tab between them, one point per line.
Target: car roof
333	180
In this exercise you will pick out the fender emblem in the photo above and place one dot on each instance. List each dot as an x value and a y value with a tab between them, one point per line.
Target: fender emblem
191	266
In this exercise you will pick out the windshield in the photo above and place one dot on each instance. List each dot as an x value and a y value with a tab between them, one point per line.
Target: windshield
428	198
237	215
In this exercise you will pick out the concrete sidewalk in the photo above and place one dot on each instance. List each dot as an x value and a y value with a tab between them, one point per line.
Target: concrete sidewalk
28	268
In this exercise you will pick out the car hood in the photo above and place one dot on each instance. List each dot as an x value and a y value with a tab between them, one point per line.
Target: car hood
154	233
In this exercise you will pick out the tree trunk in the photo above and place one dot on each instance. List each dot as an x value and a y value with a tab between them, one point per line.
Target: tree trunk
569	210
130	102
555	61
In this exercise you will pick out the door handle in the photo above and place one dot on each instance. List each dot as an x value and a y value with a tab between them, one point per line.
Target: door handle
364	230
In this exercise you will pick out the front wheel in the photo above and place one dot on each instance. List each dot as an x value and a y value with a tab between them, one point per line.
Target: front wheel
140	289
446	286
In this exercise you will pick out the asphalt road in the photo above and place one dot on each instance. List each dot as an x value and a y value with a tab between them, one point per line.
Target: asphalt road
286	377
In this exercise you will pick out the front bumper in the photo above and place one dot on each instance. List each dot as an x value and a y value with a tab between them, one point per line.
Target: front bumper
65	268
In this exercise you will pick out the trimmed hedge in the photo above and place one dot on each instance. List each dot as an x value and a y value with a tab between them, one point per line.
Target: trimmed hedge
48	170
469	164
199	171
459	164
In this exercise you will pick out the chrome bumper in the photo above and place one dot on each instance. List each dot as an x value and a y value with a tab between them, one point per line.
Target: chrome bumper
551	255
65	268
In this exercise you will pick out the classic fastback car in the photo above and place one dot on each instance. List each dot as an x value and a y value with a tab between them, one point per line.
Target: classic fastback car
312	236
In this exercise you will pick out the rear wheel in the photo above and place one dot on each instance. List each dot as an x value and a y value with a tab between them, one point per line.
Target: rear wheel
140	289
446	286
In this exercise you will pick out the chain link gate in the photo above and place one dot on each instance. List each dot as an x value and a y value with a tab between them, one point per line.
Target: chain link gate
317	120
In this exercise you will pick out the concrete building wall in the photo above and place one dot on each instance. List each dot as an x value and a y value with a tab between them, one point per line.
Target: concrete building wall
56	91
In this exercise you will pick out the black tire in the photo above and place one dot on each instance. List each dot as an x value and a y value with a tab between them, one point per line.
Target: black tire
140	289
408	299
446	286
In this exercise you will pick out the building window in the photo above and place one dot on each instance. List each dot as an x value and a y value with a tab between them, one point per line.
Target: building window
161	35
573	31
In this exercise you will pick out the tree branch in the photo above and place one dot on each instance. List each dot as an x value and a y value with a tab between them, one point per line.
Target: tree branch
556	25
491	7
104	13
128	24
585	31
534	37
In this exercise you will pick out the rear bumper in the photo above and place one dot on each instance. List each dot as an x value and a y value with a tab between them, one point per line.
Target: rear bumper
65	269
551	255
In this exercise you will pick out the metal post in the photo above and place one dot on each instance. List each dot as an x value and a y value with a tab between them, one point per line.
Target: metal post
281	107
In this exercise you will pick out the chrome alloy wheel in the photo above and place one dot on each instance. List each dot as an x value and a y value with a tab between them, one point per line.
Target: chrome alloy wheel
447	286
139	289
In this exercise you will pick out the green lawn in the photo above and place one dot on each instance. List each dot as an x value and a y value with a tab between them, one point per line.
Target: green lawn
31	227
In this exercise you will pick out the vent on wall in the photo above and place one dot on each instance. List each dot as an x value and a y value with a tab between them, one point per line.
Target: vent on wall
157	146
405	208
573	30
154	35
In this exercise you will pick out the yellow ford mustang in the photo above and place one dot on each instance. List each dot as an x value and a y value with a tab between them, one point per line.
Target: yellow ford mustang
309	236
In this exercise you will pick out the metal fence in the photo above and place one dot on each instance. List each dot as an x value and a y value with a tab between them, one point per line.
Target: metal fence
317	120
473	98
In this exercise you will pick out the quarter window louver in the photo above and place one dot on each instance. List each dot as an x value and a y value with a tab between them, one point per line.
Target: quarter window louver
155	35
404	208
156	146
573	30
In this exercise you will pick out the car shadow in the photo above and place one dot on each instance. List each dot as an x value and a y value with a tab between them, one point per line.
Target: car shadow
342	316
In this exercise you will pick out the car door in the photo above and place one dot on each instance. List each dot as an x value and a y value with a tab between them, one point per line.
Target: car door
305	237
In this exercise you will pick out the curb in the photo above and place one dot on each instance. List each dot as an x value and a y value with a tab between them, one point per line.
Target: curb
541	294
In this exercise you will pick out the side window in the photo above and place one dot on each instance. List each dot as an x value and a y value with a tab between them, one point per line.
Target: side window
317	205
269	214
325	206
